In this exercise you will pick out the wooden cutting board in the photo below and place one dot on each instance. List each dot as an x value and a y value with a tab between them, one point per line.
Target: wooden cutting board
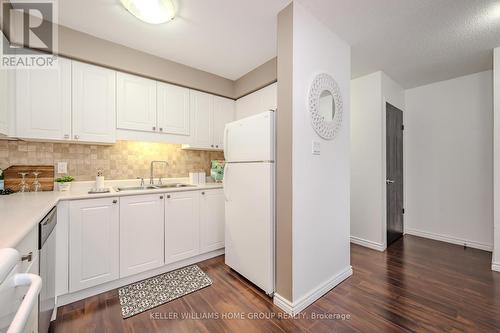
13	179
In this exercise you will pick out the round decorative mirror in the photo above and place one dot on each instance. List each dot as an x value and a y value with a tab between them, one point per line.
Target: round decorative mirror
325	106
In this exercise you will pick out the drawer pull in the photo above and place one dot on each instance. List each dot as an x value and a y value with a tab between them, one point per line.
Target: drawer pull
168	196
115	201
161	196
27	257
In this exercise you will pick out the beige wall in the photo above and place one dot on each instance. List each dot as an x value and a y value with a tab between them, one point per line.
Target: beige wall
123	160
84	47
256	79
284	190
87	48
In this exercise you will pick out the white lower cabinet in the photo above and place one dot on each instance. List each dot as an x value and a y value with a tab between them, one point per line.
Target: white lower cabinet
211	220
93	242
112	238
182	226
141	233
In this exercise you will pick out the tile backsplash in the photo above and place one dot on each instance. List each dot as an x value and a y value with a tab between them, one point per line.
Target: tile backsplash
123	160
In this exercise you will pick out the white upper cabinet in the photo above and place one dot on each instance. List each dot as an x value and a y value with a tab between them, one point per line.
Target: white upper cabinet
269	98
93	242
136	102
173	109
141	233
202	107
223	114
43	102
182	231
265	99
94	110
5	99
210	115
212	220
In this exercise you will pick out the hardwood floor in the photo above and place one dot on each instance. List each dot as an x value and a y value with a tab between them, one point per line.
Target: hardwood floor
417	285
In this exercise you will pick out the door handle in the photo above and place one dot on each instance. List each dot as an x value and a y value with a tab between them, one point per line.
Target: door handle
389	181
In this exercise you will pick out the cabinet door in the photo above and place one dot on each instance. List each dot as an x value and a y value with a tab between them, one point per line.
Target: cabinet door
211	220
248	106
93	242
202	109
223	114
141	233
94	110
135	102
181	226
4	101
173	109
269	98
43	102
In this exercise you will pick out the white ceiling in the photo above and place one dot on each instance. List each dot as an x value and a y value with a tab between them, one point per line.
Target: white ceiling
225	37
413	41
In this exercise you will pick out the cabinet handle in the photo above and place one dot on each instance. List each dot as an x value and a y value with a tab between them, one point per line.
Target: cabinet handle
217	146
161	129
202	193
154	128
66	136
115	201
168	196
161	196
27	257
212	146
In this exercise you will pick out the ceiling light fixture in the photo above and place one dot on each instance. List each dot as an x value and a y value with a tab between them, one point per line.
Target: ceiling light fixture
495	11
151	11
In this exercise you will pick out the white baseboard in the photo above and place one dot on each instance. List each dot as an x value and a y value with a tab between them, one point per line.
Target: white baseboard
308	299
81	294
450	239
495	266
369	244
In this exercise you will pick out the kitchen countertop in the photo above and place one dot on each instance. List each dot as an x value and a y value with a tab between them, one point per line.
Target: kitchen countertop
21	212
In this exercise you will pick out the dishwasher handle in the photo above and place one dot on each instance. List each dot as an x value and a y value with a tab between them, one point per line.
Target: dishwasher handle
30	299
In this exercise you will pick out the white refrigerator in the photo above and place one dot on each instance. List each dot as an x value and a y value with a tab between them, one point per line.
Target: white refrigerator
249	194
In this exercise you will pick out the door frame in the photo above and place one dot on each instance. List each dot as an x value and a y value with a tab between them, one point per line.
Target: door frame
385	100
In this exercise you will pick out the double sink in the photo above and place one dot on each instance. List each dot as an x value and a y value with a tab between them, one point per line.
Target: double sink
152	187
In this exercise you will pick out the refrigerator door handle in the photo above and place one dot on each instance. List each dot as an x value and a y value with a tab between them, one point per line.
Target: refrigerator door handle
225	190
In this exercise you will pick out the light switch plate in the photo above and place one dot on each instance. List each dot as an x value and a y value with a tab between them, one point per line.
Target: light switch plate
62	167
316	148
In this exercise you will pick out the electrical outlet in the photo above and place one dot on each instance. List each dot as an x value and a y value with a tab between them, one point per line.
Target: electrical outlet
316	148
62	167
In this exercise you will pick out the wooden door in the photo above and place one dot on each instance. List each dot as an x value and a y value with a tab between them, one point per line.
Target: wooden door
173	109
182	240
141	233
223	114
93	242
135	103
43	102
394	172
202	109
212	220
94	110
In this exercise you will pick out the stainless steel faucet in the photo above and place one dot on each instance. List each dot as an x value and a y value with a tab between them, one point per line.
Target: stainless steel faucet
151	171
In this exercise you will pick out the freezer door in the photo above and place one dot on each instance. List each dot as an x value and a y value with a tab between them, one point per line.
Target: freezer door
249	194
250	139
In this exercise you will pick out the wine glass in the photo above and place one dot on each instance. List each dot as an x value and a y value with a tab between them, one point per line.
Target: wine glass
23	186
36	186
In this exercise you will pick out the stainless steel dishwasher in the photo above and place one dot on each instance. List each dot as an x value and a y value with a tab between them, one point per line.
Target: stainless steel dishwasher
47	250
